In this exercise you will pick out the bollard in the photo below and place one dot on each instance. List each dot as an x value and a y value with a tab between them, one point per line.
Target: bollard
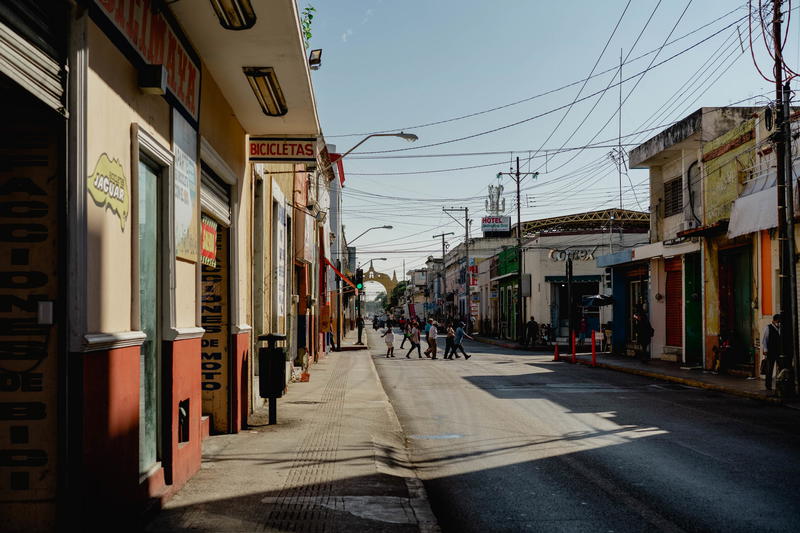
574	354
594	350
556	357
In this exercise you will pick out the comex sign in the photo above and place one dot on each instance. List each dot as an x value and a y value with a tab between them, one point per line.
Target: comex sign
576	255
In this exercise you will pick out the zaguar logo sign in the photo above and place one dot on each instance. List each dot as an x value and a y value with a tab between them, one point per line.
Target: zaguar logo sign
108	187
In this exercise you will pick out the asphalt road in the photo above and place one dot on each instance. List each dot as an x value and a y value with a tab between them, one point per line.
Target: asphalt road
509	441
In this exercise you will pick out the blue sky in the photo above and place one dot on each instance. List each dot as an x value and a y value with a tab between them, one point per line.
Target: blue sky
391	65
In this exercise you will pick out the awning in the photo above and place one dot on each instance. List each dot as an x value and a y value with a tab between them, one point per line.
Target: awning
754	212
504	276
575	279
664	249
345	278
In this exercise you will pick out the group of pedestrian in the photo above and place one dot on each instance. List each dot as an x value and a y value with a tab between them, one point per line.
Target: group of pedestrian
455	333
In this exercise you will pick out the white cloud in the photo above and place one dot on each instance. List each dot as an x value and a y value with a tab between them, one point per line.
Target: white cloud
346	34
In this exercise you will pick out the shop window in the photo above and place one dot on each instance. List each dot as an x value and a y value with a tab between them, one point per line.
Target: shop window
673	197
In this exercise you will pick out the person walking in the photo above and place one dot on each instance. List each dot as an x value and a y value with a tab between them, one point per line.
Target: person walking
458	340
531	332
433	333
644	333
771	348
413	337
388	337
449	347
406	328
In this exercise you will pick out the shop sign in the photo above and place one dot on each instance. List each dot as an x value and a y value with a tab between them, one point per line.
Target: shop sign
492	295
151	35
29	336
584	254
108	187
184	145
214	368
279	257
495	223
208	255
278	149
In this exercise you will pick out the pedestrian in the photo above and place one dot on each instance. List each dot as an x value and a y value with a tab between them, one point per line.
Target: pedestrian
388	337
431	338
406	328
583	328
771	348
644	333
449	347
360	325
413	337
531	332
459	339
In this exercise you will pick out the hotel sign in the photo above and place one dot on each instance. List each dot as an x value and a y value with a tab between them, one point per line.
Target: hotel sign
150	34
282	149
492	224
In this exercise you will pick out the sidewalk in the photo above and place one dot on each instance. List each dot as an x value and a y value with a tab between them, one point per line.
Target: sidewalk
666	371
336	461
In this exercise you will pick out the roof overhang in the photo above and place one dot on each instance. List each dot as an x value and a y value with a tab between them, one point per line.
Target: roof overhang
276	41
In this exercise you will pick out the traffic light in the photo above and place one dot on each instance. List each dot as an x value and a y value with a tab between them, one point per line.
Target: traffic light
359	279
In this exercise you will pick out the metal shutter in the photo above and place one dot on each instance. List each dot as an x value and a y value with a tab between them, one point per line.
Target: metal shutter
215	198
674	302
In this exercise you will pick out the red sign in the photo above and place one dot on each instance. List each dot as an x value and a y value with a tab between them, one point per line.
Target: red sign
208	253
282	149
149	32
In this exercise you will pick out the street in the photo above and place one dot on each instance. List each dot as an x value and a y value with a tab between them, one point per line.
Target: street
510	441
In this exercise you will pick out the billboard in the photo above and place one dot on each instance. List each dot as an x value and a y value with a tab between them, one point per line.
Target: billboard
495	224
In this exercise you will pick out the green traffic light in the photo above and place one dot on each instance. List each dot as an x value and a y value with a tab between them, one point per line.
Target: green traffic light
359	286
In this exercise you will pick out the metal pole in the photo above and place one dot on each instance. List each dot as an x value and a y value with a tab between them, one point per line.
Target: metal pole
520	320
784	238
444	281
338	307
791	252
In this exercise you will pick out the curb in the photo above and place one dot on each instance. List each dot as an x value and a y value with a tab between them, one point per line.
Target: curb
655	375
418	496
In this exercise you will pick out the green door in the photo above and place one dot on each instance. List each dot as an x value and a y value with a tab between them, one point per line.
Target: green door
693	317
148	206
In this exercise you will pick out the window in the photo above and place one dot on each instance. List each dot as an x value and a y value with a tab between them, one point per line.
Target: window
673	197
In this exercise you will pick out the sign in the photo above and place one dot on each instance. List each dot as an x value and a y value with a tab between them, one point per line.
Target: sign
279	258
583	254
208	254
214	367
184	145
274	149
495	223
29	336
151	35
108	187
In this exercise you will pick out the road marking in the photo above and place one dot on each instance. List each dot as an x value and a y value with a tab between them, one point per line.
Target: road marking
436	437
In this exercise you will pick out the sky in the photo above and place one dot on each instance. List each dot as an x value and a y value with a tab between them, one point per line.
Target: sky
482	83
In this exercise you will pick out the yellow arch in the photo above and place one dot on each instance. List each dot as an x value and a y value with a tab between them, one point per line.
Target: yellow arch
387	282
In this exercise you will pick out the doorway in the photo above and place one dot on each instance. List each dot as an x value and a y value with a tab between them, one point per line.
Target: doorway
735	309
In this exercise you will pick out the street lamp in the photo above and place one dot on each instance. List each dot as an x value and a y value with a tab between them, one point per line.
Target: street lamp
369	229
375	259
410	137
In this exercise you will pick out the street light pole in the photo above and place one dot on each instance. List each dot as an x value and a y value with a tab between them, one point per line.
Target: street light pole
518	177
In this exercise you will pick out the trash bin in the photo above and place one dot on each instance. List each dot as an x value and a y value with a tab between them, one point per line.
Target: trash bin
272	365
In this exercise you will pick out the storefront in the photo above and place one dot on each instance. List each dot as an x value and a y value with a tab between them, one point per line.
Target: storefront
34	277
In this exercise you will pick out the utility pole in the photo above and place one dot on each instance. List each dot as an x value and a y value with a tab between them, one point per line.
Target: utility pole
783	180
468	276
444	282
518	177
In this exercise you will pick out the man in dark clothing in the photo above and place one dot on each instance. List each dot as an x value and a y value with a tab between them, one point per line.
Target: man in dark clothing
644	333
531	332
360	325
771	347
